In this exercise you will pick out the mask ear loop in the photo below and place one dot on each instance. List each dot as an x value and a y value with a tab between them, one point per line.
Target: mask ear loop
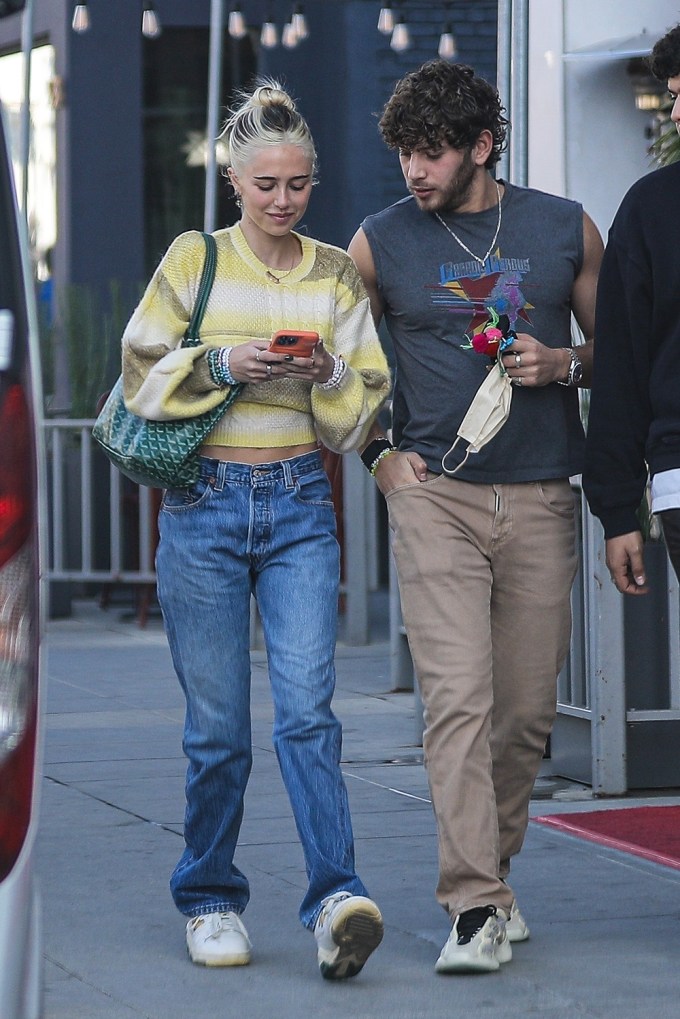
450	451
502	347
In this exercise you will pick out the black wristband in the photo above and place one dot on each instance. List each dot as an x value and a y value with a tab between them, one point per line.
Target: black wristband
373	451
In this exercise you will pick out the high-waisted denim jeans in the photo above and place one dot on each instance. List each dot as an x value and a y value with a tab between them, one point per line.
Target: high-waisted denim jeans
267	530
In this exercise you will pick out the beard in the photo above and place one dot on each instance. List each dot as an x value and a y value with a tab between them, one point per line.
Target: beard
458	190
454	193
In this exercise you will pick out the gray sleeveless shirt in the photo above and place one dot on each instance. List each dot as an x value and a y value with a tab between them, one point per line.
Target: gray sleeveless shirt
436	296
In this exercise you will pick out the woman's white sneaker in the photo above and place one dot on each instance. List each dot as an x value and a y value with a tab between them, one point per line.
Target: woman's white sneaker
478	943
348	928
218	939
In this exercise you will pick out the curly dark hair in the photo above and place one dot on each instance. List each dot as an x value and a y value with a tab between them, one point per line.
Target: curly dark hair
664	62
443	102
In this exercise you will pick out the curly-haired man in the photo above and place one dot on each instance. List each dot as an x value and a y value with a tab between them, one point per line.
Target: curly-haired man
484	536
634	419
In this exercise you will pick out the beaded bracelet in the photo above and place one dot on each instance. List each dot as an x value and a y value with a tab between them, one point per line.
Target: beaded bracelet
339	369
374	452
218	363
381	456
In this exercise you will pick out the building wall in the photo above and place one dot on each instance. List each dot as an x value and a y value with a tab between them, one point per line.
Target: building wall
586	138
341	75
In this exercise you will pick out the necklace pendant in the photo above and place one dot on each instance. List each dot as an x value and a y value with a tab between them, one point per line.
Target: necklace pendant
270	275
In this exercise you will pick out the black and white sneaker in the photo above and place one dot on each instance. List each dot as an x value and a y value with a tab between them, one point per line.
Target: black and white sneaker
478	943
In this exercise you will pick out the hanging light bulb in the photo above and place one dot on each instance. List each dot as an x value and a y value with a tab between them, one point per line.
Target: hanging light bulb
81	18
401	37
289	37
151	26
237	25
386	19
447	43
269	36
299	22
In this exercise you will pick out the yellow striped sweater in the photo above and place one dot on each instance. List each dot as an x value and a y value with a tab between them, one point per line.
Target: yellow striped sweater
164	381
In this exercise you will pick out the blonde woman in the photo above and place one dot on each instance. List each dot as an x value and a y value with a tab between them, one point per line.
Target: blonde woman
260	521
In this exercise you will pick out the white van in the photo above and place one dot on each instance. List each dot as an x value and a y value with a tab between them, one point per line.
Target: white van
21	620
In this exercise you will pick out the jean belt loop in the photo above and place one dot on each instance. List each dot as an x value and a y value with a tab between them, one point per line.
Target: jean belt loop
287	474
221	478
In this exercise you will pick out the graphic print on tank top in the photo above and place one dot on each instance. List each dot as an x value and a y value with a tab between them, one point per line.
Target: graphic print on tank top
467	288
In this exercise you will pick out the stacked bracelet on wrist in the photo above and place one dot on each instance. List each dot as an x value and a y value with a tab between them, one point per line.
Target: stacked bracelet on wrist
339	369
381	456
218	363
375	452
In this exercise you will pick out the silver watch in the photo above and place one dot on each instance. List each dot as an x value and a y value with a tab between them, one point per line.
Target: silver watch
575	373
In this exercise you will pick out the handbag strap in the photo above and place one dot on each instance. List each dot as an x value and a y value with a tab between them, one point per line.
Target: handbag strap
191	336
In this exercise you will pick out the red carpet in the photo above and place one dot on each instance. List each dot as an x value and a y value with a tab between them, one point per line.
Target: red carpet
650	832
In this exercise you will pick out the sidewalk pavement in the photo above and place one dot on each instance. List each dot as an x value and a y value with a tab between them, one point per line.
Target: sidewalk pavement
605	936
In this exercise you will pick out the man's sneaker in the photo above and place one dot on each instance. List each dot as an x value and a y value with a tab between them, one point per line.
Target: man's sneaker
478	943
516	927
218	939
348	929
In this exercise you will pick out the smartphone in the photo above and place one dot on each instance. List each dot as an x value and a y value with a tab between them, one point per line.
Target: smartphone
298	342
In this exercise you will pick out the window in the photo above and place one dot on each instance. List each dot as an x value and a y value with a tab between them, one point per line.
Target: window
175	112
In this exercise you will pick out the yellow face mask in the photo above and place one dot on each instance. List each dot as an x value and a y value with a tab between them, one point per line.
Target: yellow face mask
486	415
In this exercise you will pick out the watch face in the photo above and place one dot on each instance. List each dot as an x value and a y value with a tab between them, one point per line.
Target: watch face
576	372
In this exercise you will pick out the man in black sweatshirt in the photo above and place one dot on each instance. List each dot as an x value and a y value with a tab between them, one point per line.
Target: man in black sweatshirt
634	417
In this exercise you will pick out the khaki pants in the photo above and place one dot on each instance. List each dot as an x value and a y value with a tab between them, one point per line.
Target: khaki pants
485	574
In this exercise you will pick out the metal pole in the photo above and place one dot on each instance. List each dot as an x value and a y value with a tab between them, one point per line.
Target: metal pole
513	85
519	160
355	500
25	136
605	665
214	84
503	58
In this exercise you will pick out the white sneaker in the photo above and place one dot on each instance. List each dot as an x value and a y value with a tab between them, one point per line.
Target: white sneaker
348	929
516	927
478	943
218	939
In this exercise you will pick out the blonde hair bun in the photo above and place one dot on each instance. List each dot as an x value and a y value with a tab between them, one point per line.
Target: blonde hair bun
266	116
270	93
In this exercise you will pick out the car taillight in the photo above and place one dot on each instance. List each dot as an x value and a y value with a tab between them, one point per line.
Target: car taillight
18	624
15	473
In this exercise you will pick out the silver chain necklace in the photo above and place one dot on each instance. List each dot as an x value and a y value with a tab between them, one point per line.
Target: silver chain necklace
482	261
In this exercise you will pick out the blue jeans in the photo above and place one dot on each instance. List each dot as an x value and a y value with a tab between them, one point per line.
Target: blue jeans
267	530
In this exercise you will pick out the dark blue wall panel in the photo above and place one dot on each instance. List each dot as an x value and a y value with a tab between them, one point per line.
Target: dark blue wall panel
341	75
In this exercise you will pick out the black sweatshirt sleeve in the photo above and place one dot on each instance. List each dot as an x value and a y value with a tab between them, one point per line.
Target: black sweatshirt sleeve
619	417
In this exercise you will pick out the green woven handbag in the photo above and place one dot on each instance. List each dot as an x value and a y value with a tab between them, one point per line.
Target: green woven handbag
162	454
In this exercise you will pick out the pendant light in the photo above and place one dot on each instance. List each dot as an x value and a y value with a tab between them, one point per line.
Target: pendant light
289	37
386	19
237	25
299	22
401	37
81	18
151	26
269	34
447	43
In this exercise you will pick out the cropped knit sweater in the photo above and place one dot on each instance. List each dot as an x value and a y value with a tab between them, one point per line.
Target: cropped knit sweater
164	381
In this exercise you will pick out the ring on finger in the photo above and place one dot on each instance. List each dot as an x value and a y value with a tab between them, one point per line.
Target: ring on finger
269	369
518	360
257	355
518	380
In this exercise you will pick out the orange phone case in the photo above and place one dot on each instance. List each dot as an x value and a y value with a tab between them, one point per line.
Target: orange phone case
299	342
